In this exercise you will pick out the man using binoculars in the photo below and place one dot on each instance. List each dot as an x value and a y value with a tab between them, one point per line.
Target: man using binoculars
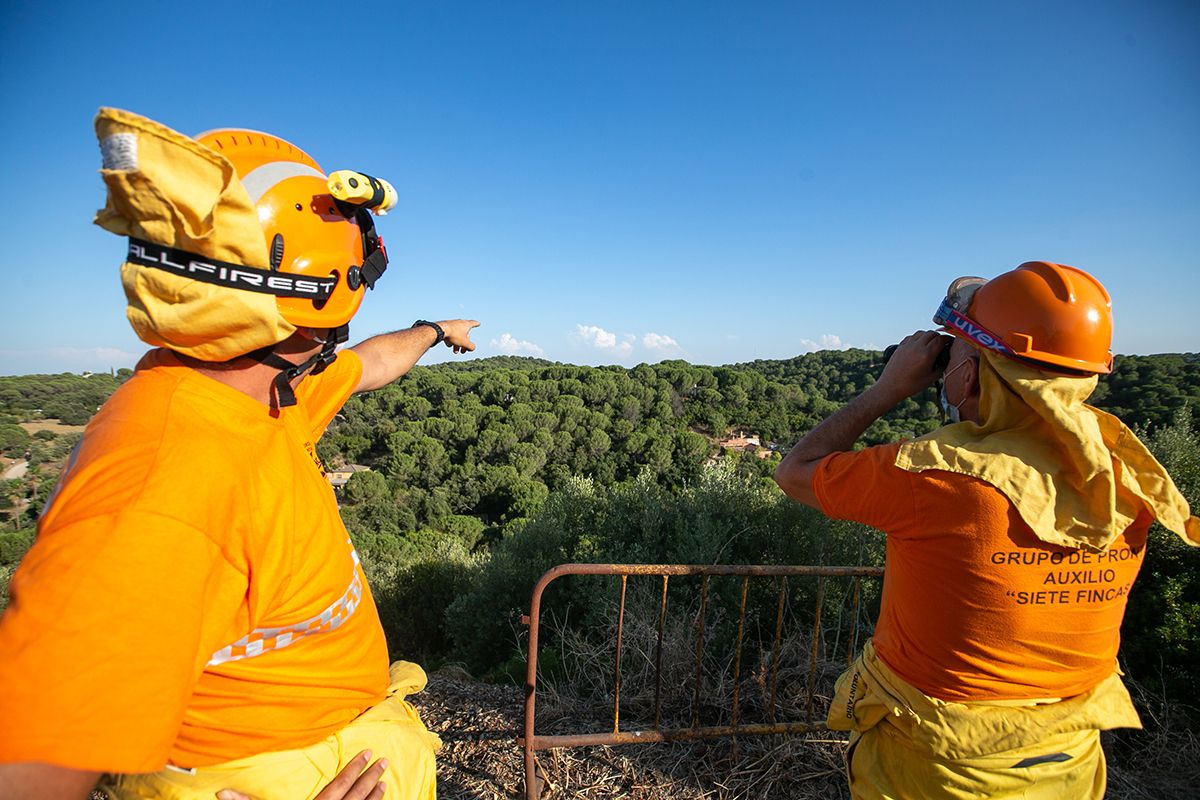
1013	537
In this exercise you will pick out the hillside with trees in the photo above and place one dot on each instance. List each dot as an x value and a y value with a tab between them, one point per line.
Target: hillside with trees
464	449
473	477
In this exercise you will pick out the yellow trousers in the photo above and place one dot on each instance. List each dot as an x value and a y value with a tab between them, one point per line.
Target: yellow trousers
884	765
391	729
905	745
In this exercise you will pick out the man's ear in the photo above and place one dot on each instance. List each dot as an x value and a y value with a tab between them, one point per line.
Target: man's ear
970	378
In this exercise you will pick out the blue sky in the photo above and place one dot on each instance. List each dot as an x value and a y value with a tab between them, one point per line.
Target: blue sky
618	182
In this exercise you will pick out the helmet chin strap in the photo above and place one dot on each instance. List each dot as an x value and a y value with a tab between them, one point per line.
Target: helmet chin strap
282	394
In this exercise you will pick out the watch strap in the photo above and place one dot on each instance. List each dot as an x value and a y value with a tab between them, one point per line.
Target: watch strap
441	334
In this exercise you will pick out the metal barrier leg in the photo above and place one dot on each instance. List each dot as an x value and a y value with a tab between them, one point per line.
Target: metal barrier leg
536	780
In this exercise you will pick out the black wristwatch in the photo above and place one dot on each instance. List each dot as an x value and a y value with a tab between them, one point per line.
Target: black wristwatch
441	334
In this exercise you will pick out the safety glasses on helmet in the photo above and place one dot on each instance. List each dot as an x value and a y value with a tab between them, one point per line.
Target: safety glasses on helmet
951	314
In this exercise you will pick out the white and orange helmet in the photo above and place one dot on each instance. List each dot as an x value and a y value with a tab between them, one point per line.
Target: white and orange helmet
315	226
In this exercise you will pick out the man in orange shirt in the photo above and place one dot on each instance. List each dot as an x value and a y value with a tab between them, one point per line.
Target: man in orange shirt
1013	537
193	616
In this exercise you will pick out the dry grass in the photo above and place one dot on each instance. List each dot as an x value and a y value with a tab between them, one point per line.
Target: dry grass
1159	762
577	671
480	759
52	425
763	767
478	724
578	697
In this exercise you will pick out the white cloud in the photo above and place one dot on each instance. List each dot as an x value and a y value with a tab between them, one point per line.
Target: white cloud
507	343
828	341
597	337
658	341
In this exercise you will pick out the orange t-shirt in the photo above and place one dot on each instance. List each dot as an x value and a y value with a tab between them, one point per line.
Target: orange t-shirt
975	606
192	596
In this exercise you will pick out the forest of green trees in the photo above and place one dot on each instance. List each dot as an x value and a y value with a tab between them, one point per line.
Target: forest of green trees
483	473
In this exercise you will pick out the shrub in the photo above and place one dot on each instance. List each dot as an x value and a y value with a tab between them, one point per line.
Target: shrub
722	518
1161	632
414	603
13	439
13	546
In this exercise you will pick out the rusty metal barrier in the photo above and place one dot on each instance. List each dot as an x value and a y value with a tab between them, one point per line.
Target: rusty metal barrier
532	741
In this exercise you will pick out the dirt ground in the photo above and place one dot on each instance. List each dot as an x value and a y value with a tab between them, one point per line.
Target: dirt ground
480	760
52	425
12	470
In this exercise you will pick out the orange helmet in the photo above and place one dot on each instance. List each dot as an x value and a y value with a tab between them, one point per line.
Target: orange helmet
1050	316
309	233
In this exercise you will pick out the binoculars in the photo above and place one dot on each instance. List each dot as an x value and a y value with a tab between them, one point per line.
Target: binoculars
939	363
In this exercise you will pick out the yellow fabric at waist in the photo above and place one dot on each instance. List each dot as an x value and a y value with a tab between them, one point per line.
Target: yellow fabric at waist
869	693
390	729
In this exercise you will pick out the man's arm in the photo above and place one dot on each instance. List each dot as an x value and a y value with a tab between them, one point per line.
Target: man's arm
388	356
36	781
909	371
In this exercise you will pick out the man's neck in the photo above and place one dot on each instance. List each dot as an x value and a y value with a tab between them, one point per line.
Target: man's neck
250	376
244	374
